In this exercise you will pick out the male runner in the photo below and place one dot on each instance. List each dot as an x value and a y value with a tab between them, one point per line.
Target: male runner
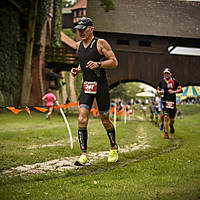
95	55
170	86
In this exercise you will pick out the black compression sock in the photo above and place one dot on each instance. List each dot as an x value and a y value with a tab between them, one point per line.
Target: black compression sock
111	136
82	136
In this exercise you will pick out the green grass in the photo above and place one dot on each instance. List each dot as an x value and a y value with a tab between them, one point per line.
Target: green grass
167	170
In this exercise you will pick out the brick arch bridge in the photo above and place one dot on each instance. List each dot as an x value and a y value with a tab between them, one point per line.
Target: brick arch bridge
141	32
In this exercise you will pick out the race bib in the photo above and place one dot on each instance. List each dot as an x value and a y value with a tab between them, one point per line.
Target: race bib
170	104
90	87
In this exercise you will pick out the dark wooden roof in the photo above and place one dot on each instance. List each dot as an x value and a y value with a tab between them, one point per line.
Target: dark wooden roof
171	18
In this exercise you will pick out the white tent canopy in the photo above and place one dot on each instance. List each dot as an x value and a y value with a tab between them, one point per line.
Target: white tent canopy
145	94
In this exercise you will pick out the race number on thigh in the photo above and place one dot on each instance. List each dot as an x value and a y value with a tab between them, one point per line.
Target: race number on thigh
170	104
90	87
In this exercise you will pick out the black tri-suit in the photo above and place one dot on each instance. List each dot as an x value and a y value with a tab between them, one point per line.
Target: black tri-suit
95	76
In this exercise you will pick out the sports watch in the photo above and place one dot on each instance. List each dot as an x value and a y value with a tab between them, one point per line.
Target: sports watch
99	63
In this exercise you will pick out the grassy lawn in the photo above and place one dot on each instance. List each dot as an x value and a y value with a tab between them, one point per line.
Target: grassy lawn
166	169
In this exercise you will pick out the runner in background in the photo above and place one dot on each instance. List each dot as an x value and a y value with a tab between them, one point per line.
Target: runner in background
157	109
179	114
152	109
49	98
144	108
170	86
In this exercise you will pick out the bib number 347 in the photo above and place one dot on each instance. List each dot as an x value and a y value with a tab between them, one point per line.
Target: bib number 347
90	87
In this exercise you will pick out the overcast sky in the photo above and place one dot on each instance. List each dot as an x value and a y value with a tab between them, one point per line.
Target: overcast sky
186	51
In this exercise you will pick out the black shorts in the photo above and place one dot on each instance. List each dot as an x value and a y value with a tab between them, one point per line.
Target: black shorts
102	96
169	111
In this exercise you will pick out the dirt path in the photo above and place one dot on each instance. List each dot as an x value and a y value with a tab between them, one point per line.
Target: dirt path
67	163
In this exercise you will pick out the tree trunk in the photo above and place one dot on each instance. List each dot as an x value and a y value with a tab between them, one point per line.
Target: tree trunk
64	89
27	79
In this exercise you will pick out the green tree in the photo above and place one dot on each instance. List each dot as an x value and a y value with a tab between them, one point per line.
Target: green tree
126	91
107	5
18	39
10	44
69	3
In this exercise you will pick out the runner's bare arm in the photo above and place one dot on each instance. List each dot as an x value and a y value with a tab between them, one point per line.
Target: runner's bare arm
179	90
104	49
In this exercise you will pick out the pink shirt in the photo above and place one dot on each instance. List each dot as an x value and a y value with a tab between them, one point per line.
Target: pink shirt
50	98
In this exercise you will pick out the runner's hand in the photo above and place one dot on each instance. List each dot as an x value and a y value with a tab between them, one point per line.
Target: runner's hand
92	65
74	71
171	91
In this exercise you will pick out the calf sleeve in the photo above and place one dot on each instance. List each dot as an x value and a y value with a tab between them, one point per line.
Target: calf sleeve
111	136
82	136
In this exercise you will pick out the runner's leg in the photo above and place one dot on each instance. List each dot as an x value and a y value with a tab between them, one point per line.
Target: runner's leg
82	130
108	125
172	120
50	111
166	119
85	104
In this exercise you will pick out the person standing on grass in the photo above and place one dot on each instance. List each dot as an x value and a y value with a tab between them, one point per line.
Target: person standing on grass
144	108
95	55
49	98
171	87
157	108
152	109
179	114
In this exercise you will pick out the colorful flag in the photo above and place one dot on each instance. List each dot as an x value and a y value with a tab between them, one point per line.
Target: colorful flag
41	109
14	110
